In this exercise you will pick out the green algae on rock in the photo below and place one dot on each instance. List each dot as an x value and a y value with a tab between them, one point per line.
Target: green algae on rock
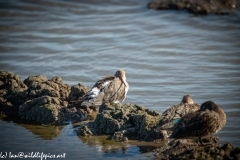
40	86
13	92
44	110
77	92
41	100
129	121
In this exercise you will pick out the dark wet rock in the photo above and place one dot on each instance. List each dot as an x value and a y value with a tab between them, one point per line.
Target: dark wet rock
206	148
31	80
13	92
124	122
62	88
76	114
41	100
235	153
84	131
69	98
77	92
47	102
45	110
134	122
120	136
40	86
197	6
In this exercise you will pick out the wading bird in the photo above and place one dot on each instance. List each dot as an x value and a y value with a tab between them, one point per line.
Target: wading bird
107	89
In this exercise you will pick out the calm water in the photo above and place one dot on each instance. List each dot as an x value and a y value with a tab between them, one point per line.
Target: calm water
165	54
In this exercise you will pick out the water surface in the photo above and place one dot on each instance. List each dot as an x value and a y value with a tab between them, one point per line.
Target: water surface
166	54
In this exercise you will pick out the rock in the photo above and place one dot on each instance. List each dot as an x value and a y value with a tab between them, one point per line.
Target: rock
235	153
13	92
227	148
77	92
38	96
124	122
44	110
84	131
40	86
48	100
76	114
206	148
62	88
120	136
197	6
31	80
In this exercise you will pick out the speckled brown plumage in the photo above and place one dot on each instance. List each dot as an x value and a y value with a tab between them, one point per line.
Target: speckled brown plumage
208	120
177	111
107	89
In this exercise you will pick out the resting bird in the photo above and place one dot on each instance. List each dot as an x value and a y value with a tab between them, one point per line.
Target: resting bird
107	89
208	120
173	114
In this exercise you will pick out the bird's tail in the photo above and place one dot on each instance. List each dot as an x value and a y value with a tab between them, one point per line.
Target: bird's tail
96	101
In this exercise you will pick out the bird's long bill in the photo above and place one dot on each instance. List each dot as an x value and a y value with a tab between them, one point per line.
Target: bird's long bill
123	81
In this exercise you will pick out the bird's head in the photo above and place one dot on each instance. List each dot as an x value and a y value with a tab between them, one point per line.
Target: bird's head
121	75
209	105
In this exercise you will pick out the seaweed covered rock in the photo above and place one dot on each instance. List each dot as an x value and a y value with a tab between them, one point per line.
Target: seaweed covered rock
124	122
78	113
41	100
197	6
31	80
45	110
40	86
84	131
204	148
13	92
47	102
77	92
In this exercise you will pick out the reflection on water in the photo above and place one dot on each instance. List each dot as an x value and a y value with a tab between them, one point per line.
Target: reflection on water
46	132
104	144
28	137
125	149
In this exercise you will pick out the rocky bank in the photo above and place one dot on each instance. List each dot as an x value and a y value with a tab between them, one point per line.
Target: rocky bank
42	100
219	7
123	122
51	101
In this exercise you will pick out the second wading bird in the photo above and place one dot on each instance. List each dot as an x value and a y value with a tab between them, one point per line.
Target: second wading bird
107	89
204	122
173	114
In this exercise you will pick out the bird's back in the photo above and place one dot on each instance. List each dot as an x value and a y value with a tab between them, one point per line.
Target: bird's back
107	89
94	97
197	124
174	113
116	91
